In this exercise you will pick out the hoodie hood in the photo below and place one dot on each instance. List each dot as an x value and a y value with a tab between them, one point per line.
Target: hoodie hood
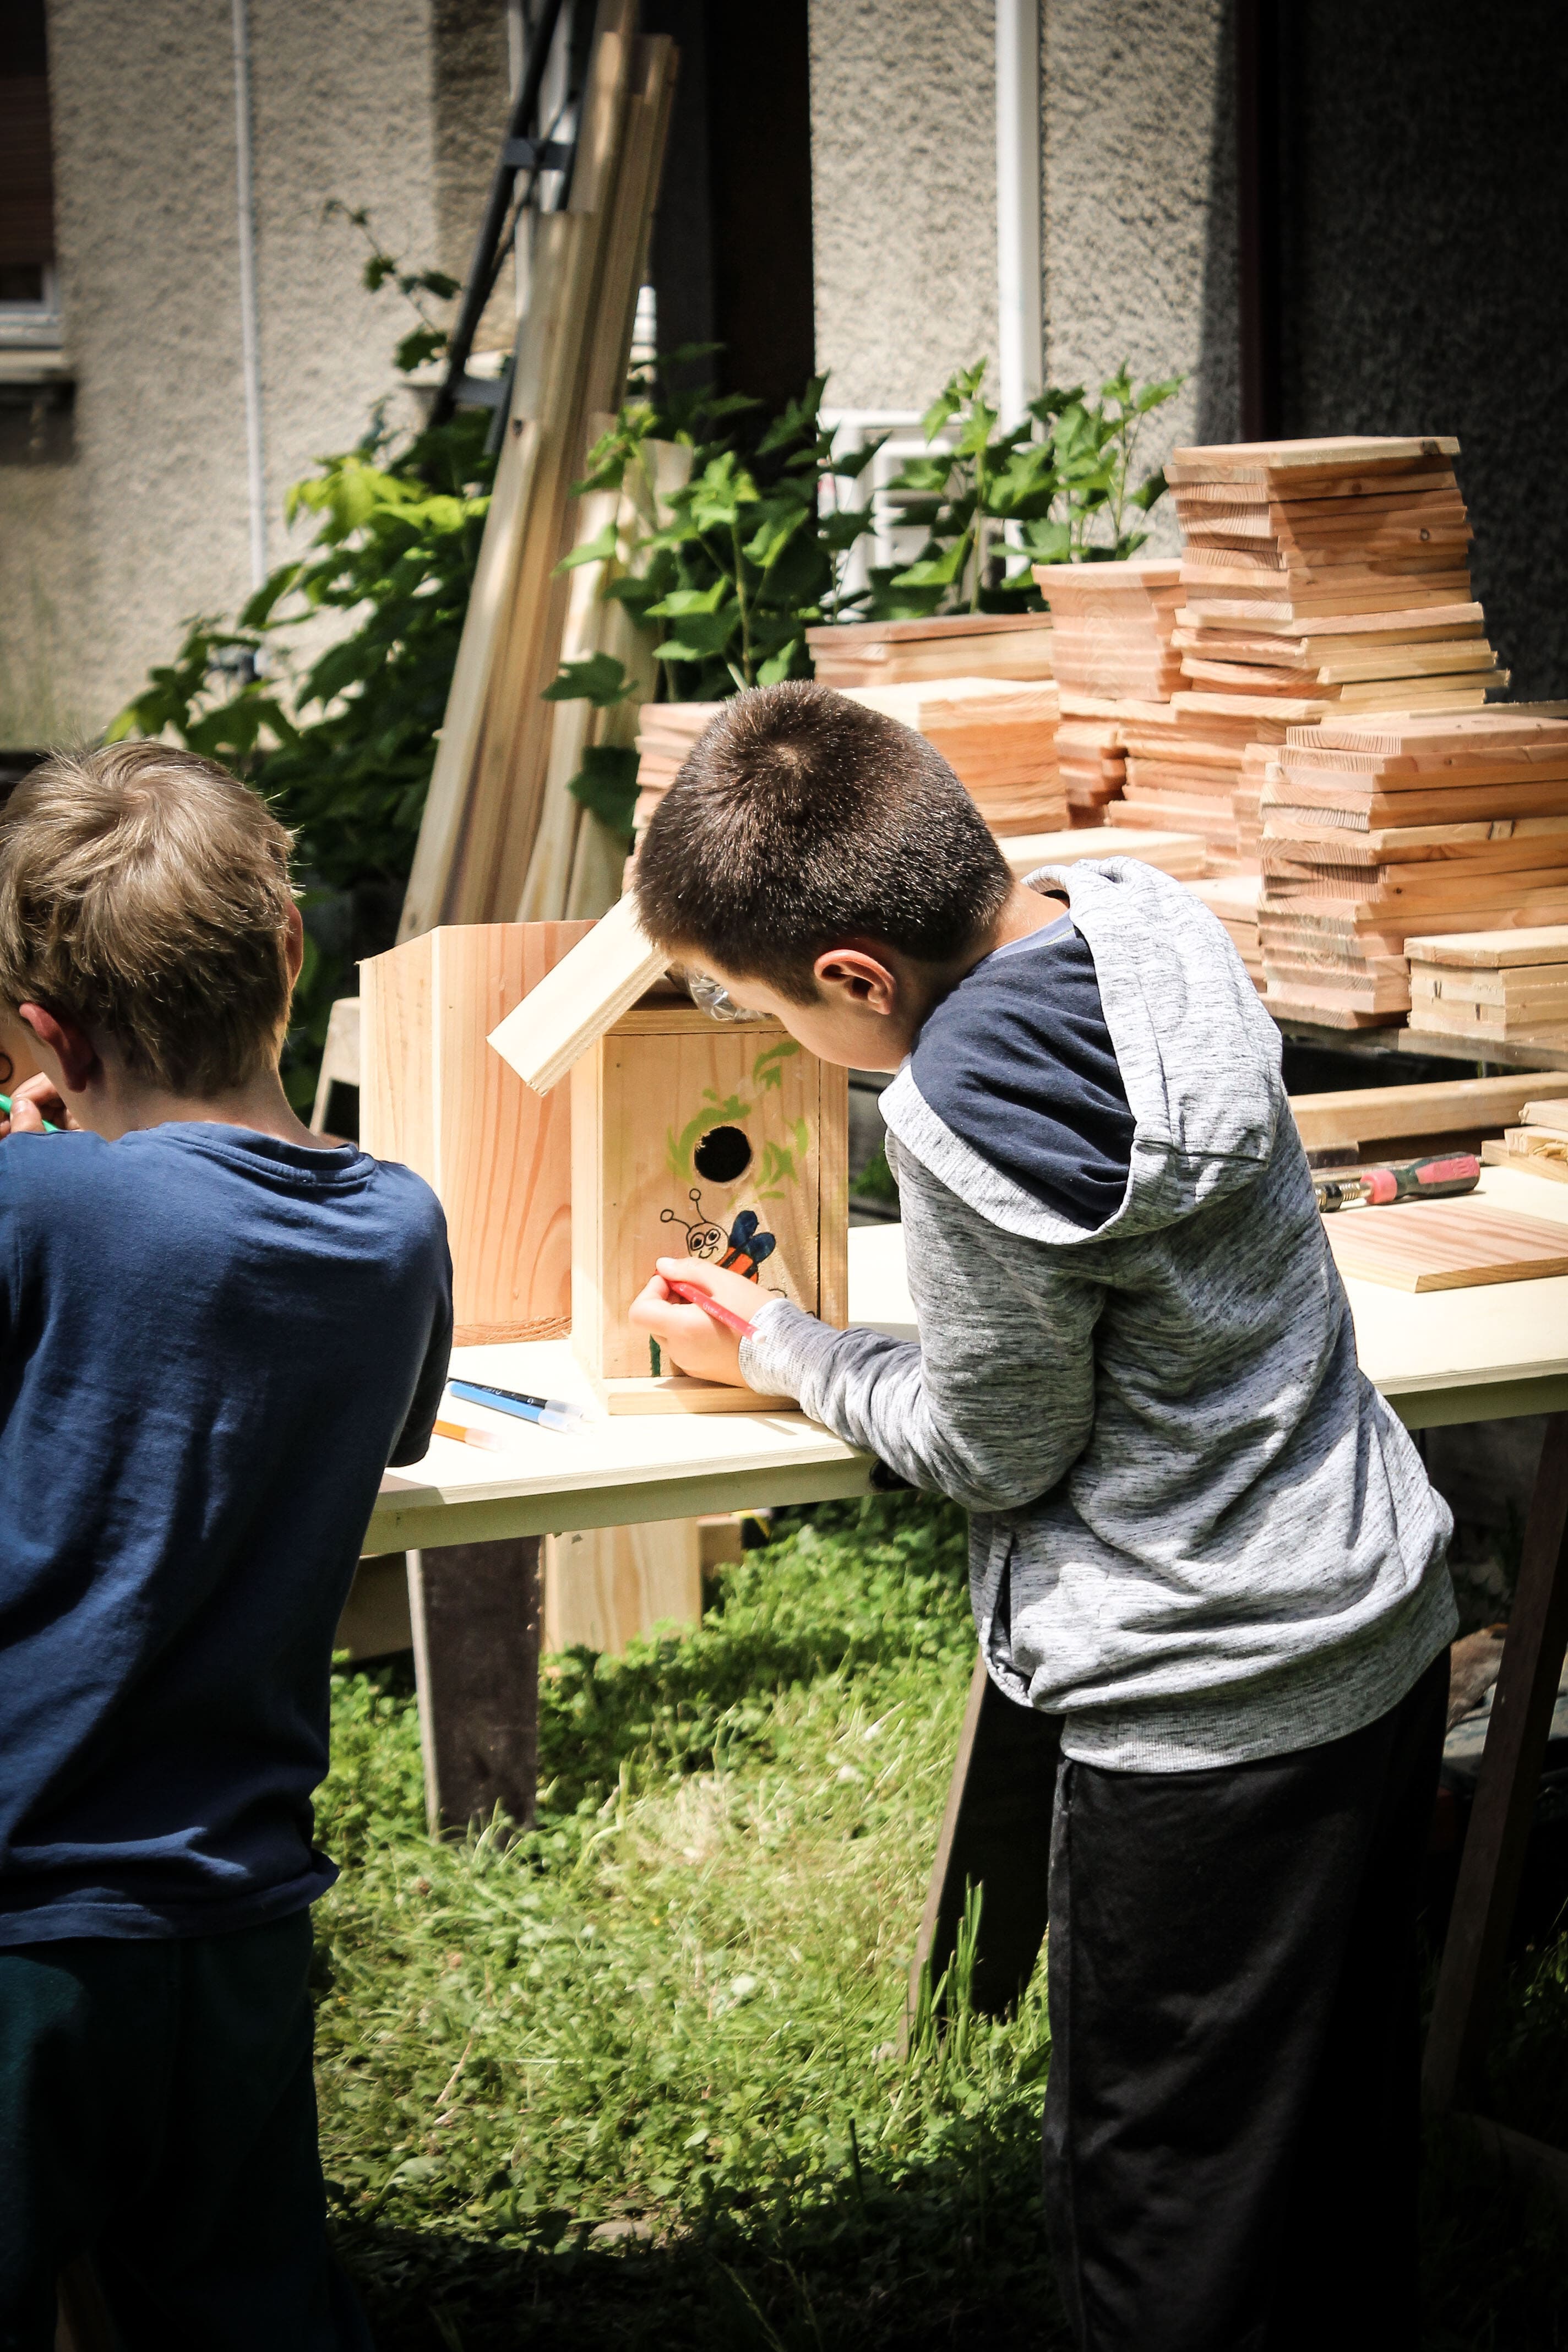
1197	1056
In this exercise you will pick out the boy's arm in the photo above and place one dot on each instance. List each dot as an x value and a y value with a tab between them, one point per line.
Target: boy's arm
418	1429
996	1402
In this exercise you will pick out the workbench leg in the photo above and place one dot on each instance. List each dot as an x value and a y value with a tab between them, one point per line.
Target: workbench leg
475	1611
995	1835
1492	1863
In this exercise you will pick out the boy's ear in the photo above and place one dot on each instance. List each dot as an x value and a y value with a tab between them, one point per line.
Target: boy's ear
69	1043
855	974
294	943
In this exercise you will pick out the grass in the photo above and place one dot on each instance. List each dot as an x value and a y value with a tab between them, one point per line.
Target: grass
630	2081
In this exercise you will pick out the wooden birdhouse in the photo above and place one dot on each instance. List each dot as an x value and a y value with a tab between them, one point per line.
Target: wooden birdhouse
691	1138
434	1096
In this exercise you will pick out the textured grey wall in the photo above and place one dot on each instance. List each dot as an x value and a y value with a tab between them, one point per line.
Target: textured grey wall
904	198
1138	200
1426	218
1139	240
123	519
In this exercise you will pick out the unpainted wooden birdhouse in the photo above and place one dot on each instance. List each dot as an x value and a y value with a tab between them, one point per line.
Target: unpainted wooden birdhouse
691	1138
434	1096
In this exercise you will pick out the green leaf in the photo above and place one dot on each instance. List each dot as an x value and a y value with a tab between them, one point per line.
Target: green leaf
600	679
603	548
936	570
682	601
1149	491
607	784
1155	395
698	634
783	664
1048	543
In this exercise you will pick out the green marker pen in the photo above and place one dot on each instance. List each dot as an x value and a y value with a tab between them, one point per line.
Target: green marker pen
49	1127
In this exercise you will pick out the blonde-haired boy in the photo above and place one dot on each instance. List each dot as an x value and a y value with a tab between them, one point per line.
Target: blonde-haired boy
216	1332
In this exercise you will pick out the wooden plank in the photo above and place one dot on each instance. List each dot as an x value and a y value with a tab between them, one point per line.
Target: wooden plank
857	637
1495	950
1443	1245
605	1586
456	746
582	995
1446	1107
1500	1155
995	1835
435	1097
1492	1861
471	861
474	1609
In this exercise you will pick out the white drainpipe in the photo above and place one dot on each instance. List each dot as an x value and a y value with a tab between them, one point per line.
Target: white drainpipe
1020	315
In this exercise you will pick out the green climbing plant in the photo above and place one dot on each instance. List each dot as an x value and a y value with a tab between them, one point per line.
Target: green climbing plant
1060	486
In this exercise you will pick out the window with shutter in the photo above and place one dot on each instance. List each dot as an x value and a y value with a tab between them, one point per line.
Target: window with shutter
30	307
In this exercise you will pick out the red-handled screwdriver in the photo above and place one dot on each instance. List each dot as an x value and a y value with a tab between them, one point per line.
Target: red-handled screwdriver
1411	1179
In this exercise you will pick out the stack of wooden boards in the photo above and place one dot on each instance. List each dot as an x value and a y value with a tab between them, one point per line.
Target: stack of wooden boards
1234	898
1496	988
1134	749
1538	1146
1378	830
1318	577
999	737
962	645
1111	625
1110	644
665	733
1331	574
493	786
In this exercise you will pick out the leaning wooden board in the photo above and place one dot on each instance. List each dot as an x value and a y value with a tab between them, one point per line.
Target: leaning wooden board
1443	1245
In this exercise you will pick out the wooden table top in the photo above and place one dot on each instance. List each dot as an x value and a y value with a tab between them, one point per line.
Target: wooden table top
1478	1354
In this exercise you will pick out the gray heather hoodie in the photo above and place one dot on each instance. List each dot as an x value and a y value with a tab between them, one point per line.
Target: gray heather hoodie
1198	1532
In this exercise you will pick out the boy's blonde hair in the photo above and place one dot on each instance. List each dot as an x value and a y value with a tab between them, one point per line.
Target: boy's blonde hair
145	893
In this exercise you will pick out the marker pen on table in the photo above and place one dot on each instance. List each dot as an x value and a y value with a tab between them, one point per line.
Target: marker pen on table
549	1412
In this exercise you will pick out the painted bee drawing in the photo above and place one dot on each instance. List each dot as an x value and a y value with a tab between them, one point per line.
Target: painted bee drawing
743	1249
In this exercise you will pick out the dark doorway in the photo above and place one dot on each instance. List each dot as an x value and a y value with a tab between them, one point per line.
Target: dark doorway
731	252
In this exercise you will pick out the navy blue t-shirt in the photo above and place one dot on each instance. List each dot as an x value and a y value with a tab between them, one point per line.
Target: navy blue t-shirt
1019	1062
211	1345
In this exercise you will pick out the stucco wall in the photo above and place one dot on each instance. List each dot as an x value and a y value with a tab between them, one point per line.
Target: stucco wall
131	514
1138	200
904	200
1138	239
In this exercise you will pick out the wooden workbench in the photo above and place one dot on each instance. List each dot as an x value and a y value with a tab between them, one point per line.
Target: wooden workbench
473	1521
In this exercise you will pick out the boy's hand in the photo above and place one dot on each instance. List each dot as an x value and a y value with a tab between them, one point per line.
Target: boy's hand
688	1338
33	1101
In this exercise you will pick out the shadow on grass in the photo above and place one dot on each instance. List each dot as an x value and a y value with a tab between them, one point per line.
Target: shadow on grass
883	2266
915	2265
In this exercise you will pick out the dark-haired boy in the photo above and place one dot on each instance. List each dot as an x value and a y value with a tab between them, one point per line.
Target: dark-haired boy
1199	1534
215	1330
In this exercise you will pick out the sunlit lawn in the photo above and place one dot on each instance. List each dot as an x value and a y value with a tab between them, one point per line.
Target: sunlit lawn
632	2080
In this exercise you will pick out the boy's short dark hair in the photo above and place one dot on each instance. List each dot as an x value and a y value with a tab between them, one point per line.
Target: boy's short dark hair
801	819
146	895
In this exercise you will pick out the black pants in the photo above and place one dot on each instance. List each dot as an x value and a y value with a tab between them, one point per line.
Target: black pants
157	2109
1231	2118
